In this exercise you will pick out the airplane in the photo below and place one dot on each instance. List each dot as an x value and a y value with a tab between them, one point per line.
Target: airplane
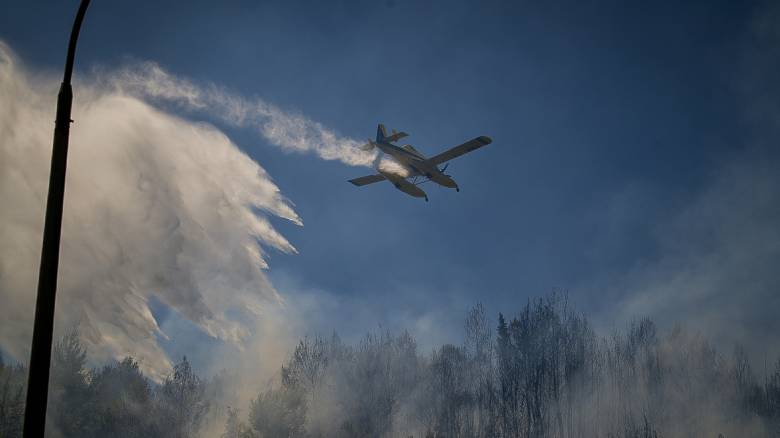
416	169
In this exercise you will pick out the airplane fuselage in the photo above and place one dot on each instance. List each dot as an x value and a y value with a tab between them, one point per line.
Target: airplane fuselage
417	165
413	163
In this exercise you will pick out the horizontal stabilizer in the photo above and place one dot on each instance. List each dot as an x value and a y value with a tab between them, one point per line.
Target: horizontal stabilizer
364	180
396	136
368	146
381	134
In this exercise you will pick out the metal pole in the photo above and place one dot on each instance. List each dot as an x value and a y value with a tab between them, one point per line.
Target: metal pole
40	354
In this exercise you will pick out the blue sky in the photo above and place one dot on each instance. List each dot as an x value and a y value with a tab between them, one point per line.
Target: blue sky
607	119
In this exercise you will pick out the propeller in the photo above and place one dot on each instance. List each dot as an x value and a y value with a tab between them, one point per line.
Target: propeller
444	168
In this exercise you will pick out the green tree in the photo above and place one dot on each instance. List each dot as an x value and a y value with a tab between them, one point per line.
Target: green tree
181	402
279	413
71	403
123	401
12	389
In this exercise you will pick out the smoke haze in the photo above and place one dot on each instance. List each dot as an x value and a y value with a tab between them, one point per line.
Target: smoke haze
290	131
156	205
715	267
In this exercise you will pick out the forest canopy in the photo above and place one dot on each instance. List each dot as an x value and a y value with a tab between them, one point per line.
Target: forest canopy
542	372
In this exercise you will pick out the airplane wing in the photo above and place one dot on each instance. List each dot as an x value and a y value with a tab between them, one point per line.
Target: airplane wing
460	150
370	179
411	149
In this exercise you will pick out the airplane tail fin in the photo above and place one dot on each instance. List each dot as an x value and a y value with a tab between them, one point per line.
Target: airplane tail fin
381	133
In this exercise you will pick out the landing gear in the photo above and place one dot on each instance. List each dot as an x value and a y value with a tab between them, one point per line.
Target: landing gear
457	189
426	199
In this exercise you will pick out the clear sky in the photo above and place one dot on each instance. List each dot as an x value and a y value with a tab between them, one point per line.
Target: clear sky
613	124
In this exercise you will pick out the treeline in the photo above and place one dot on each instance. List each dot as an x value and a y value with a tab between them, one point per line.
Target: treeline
542	373
116	400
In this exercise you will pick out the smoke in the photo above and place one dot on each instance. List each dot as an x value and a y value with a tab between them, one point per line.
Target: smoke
718	269
545	373
718	252
290	131
156	206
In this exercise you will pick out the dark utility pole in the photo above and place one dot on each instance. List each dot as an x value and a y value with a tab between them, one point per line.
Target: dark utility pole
40	354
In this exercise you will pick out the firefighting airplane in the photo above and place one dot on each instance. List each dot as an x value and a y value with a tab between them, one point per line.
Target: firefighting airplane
416	169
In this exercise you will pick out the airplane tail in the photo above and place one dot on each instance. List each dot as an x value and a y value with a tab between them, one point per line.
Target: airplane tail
381	133
382	137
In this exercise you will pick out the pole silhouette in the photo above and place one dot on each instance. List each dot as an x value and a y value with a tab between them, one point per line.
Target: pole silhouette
40	353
